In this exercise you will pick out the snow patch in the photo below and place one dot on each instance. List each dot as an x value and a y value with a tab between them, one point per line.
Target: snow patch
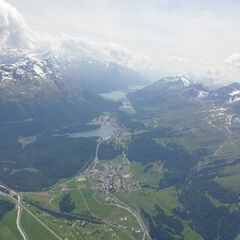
185	81
234	100
234	93
202	94
38	70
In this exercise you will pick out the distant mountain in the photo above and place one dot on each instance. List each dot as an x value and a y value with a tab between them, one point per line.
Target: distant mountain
227	95
220	107
176	84
197	91
180	88
177	81
100	76
36	86
171	92
194	132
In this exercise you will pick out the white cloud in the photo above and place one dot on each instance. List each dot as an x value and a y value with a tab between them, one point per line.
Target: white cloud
202	71
186	32
178	59
82	47
15	33
233	60
13	29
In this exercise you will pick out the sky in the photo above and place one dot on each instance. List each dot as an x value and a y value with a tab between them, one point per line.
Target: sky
197	38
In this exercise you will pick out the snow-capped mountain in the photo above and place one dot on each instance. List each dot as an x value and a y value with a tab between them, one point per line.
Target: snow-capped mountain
196	90
189	87
180	86
169	84
36	86
227	95
220	107
177	86
171	92
181	80
19	69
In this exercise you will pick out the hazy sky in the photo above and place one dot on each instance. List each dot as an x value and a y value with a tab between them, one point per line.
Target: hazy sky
198	37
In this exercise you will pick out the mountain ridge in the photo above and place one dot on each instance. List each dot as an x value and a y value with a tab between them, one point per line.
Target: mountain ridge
35	86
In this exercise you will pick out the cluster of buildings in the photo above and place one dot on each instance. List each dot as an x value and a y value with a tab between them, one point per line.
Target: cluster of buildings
120	137
114	178
105	120
120	134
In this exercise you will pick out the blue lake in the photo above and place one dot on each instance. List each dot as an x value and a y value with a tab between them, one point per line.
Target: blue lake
103	132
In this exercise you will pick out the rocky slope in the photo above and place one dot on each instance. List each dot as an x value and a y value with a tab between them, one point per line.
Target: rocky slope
36	86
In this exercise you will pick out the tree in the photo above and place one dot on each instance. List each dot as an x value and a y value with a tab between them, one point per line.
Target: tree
66	204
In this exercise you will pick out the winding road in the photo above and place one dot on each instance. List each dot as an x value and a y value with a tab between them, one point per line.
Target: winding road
16	198
13	195
120	204
17	201
18	220
141	223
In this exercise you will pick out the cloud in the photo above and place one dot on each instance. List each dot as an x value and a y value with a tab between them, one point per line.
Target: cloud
157	30
82	47
15	33
178	59
13	29
122	55
204	72
233	60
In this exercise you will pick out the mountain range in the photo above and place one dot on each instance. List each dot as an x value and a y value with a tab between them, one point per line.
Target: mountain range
44	86
179	89
181	144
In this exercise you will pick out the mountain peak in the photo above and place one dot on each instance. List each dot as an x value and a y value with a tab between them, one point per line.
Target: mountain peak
180	79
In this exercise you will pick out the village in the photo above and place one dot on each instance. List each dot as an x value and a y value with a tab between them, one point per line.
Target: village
114	178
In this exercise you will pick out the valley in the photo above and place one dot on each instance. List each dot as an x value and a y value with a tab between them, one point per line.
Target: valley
119	120
152	173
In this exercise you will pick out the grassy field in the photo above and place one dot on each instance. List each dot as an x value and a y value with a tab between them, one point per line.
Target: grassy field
191	142
167	199
230	182
34	229
229	150
86	200
75	230
190	234
150	174
8	228
230	177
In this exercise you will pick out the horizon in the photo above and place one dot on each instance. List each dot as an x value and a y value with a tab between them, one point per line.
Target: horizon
161	38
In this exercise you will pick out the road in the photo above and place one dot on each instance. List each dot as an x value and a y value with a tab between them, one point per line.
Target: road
95	160
42	223
120	204
18	220
136	215
91	167
12	194
81	174
17	201
123	205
